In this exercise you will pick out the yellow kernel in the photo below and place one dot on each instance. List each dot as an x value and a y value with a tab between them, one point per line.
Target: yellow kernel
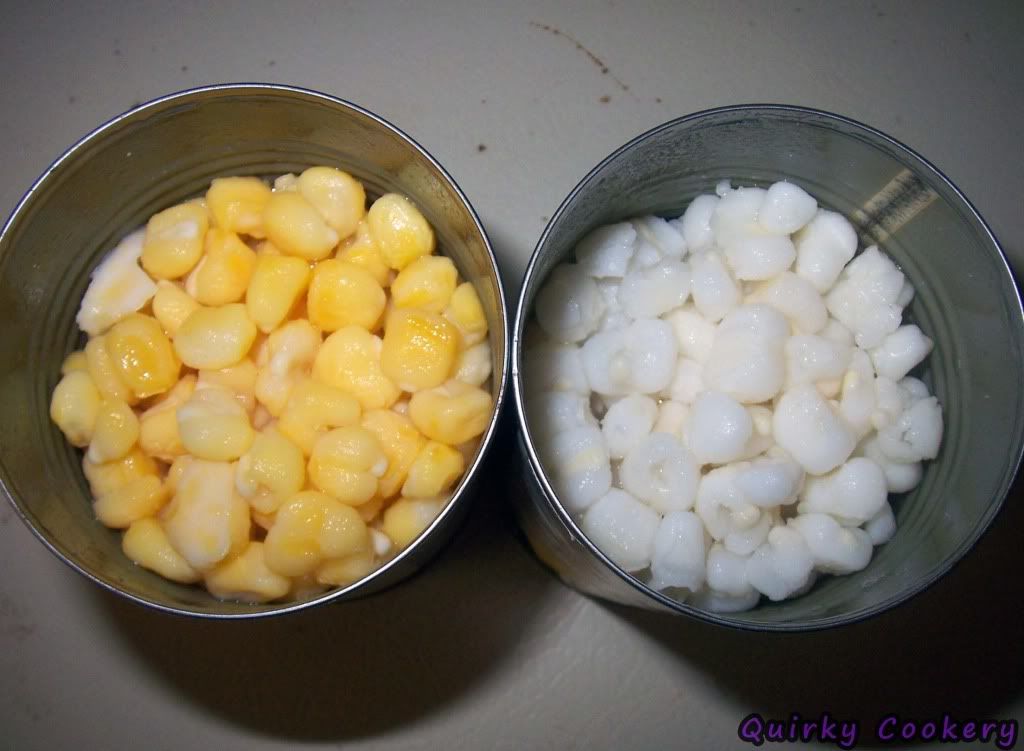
214	426
214	338
435	469
104	373
207	521
340	572
158	425
237	204
261	417
239	379
400	441
400	231
312	527
337	195
473	365
115	432
343	294
369	510
174	241
146	544
407	518
427	283
263	521
312	409
465	311
75	406
176	471
419	349
272	471
350	359
347	463
468	450
295	226
75	361
361	250
172	305
143	355
288	353
452	413
223	275
277	283
246	578
137	500
109	476
288	182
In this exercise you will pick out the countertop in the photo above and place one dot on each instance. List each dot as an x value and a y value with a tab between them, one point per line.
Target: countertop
485	649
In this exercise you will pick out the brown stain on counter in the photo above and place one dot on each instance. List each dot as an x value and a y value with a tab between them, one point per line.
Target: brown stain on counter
584	49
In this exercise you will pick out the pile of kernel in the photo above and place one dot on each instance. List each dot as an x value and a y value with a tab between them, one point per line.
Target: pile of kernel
280	387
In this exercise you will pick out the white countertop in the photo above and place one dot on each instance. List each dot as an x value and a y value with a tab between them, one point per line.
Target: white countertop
486	649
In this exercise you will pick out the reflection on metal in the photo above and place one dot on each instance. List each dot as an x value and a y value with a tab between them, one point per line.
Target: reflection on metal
903	198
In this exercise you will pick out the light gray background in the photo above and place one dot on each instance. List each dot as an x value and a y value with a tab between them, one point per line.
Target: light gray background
485	649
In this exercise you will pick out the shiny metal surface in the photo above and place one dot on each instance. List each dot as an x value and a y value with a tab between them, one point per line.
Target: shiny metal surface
110	182
966	301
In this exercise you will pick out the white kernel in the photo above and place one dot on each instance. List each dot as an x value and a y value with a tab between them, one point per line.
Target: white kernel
663	235
687	383
714	290
797	299
569	305
660	471
694	333
836	549
607	251
736	215
727	572
627	422
823	247
810	359
552	412
747	360
786	208
811	431
678	554
782	565
759	257
650	292
718	428
853	493
671	419
900	352
578	463
696	222
882	526
623	529
915	435
554	367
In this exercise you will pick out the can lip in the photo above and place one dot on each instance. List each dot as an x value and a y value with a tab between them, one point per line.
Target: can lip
551	498
487	439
